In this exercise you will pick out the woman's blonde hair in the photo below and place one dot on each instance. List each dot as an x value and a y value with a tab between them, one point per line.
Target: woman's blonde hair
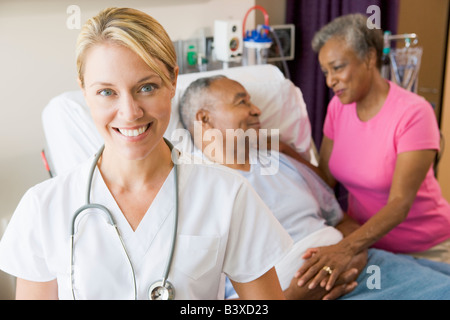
133	29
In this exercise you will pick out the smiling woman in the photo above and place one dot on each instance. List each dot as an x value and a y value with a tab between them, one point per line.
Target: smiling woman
135	107
127	72
380	142
132	108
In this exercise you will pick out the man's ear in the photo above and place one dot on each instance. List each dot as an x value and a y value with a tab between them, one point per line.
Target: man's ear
204	117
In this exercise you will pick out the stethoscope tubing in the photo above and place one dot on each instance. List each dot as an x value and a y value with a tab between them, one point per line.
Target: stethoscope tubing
113	224
111	221
175	224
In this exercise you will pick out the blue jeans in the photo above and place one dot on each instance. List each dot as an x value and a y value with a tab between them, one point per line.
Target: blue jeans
389	276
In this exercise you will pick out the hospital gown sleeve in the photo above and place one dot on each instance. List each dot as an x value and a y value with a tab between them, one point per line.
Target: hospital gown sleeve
257	241
21	251
330	209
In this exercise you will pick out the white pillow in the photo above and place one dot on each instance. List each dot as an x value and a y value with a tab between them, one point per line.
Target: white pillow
69	131
72	137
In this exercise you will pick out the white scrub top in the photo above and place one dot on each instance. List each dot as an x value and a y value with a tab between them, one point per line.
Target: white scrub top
223	227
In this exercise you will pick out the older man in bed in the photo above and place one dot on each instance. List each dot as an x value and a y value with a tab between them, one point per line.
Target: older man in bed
300	200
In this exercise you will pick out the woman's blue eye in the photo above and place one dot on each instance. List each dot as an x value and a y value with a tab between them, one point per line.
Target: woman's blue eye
147	88
106	92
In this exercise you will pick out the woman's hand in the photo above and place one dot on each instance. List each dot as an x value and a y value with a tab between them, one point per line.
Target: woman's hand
344	285
324	265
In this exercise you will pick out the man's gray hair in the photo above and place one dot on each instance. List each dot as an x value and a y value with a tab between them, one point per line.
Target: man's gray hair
353	29
194	99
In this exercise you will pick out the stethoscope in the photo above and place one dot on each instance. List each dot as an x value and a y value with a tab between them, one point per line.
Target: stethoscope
159	290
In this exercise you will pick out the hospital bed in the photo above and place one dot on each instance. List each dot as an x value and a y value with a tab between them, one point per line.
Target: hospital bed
71	136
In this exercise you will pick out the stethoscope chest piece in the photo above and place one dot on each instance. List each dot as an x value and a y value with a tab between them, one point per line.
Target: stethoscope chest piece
161	291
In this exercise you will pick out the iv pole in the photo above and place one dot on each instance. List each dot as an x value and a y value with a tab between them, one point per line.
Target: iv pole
406	36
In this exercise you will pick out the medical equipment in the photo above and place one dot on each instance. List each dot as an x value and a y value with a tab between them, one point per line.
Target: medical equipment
227	40
256	47
404	63
405	66
159	290
258	42
284	37
386	59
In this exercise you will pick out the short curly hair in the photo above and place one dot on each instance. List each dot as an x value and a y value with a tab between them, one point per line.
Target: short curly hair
195	98
353	29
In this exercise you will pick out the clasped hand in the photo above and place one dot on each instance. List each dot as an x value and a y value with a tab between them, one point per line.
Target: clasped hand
338	279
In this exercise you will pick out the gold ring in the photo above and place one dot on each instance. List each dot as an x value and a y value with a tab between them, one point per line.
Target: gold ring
328	269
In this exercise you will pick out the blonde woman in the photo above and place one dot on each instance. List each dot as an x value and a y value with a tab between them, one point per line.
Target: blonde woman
208	217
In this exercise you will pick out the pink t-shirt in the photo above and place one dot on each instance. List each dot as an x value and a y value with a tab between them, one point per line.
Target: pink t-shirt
363	160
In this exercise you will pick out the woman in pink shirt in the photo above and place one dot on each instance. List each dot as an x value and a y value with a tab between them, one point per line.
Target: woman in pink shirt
380	142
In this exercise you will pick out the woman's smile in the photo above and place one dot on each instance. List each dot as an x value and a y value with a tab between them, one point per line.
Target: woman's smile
133	132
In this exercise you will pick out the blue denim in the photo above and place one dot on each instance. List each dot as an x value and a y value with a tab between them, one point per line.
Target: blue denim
389	276
401	277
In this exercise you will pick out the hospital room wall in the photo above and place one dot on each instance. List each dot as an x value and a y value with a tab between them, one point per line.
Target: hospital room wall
434	76
37	62
444	166
434	84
